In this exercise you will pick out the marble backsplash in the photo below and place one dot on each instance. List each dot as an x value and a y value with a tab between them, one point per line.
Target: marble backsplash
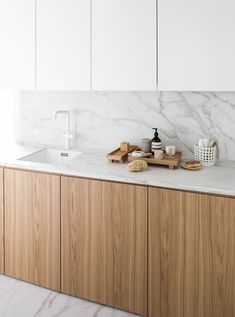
103	119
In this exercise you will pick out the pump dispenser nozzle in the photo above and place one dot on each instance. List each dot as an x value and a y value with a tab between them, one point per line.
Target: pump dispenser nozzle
155	133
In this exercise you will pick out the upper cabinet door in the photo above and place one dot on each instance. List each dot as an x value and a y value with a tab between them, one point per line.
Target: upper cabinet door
196	45
17	44
63	45
124	45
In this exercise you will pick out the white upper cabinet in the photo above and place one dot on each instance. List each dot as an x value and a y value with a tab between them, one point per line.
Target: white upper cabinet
124	45
196	45
63	45
17	44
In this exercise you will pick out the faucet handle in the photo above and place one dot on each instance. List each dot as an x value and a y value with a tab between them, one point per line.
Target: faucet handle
70	136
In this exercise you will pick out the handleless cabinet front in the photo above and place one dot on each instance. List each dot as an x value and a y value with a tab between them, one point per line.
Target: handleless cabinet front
124	45
32	227
63	45
17	44
104	242
191	254
196	45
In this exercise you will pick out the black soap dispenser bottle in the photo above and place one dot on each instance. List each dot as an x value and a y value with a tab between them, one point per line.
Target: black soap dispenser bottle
156	143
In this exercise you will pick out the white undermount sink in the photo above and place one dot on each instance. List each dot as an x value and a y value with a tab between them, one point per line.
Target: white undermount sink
52	156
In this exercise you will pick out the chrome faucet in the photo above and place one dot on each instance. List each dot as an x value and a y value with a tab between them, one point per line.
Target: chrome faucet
67	134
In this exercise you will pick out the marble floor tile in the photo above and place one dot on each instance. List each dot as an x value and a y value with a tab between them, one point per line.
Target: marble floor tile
20	299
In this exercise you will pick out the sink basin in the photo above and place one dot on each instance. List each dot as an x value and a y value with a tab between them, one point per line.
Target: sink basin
52	156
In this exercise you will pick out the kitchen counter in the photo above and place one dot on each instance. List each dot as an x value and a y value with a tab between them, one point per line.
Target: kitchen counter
218	179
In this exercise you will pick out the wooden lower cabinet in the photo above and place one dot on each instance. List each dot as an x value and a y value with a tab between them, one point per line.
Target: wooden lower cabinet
1	224
191	270
104	239
32	227
150	251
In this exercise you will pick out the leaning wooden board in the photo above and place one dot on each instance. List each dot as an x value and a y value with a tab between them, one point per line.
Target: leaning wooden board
120	156
171	162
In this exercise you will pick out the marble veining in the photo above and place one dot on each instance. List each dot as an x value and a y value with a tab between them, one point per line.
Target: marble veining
92	163
20	299
104	119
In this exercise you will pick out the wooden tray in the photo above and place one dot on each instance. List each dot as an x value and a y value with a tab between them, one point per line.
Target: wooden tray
120	156
171	162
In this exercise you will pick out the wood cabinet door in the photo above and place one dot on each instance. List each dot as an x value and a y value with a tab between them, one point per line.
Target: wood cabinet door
1	224
104	242
32	227
124	45
63	45
191	255
17	44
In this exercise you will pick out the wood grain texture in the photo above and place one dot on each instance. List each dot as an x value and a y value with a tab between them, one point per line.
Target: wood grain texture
1	224
104	238
191	255
32	227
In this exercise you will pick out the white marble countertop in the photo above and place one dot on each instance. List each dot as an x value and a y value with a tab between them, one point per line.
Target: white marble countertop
218	179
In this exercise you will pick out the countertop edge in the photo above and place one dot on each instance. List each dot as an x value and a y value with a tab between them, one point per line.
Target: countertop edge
46	168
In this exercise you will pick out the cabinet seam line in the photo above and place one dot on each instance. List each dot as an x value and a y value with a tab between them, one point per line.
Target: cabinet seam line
91	34
157	53
4	221
35	79
60	233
